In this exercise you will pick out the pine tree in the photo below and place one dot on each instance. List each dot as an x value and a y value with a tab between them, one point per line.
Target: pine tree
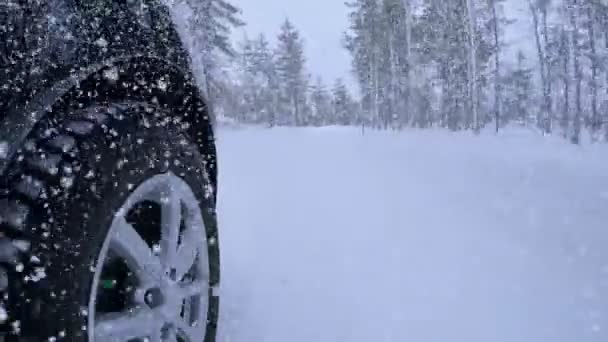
246	83
362	41
320	102
210	23
380	43
452	42
343	106
290	62
264	69
394	66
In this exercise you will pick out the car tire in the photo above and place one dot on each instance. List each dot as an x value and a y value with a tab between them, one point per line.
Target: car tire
89	246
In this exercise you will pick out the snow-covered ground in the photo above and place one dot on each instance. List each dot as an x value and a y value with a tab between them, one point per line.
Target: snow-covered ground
422	236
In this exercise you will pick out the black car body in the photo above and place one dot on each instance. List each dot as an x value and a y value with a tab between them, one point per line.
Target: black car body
80	80
73	52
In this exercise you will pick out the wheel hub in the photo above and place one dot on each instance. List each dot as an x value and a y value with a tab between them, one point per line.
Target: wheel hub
154	298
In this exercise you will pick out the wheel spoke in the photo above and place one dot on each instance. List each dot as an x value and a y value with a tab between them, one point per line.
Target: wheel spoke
130	246
187	332
170	335
120	327
171	218
196	288
187	252
156	336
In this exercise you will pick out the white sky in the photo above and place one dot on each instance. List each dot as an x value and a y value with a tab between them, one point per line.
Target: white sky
520	35
323	22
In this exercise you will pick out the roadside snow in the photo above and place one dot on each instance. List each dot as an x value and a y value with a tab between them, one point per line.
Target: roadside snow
422	236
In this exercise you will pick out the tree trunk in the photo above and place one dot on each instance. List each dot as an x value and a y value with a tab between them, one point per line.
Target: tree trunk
472	21
566	52
497	79
576	132
541	61
595	120
407	4
393	117
604	16
296	110
548	77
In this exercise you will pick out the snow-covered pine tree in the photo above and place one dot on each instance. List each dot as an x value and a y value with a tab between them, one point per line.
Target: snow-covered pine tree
259	80
291	68
393	41
320	103
266	68
209	24
244	87
343	105
362	41
378	41
393	67
446	44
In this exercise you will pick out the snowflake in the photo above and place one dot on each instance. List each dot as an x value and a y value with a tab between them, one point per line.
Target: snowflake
101	42
111	74
3	150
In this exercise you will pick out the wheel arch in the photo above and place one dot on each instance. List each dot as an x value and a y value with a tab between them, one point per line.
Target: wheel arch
134	78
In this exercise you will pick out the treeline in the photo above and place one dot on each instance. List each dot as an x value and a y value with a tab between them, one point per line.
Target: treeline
256	81
421	63
442	63
270	84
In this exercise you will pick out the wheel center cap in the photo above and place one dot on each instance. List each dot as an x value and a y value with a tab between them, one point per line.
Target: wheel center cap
154	298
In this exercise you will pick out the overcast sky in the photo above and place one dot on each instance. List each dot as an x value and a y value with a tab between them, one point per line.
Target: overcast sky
323	22
520	35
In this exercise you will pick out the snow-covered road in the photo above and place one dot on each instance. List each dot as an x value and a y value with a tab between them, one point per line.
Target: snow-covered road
331	236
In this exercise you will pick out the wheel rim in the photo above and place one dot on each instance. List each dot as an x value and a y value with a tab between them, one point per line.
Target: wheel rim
165	290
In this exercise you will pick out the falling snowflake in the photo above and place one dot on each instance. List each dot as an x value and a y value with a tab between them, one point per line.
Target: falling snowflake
111	74
3	150
162	85
101	42
3	315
